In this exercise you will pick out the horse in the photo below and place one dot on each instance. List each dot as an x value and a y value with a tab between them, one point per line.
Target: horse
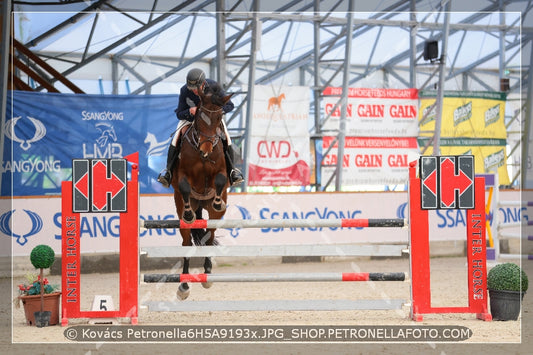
275	101
200	178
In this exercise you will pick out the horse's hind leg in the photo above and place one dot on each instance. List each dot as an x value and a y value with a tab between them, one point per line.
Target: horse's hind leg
220	182
207	269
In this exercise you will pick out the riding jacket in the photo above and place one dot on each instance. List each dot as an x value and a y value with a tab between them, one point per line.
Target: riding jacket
189	99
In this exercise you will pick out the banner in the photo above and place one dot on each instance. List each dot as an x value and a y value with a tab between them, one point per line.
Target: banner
279	146
45	131
472	123
371	160
373	112
37	220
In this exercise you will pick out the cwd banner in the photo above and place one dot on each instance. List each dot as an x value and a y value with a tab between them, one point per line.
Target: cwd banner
45	131
371	160
279	146
472	123
373	112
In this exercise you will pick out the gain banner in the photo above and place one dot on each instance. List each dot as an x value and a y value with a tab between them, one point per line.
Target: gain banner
371	160
472	123
373	112
279	148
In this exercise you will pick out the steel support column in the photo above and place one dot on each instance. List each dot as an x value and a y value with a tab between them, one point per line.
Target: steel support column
250	95
442	70
345	86
221	43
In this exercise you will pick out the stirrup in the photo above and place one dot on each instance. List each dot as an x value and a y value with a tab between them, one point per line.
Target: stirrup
164	178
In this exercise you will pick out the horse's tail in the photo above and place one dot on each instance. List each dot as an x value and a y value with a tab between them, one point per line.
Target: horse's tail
200	236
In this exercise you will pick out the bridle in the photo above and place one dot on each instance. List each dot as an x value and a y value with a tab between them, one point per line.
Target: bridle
196	133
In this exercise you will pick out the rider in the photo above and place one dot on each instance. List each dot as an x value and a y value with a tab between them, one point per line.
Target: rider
188	101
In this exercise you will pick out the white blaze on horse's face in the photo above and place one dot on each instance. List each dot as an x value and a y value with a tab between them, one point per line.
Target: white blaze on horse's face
205	118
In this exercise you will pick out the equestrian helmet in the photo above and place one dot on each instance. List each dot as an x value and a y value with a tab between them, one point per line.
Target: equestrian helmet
195	78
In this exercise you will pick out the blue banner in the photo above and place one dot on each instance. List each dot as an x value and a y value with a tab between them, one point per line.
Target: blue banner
45	131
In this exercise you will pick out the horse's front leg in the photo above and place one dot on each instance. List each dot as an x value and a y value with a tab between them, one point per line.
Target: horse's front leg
185	190
183	289
208	265
220	182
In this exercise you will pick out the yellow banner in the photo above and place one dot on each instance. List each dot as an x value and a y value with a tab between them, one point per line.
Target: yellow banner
489	159
465	114
472	123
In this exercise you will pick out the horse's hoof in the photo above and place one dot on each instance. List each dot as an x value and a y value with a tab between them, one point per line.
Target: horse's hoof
183	292
189	217
219	207
207	284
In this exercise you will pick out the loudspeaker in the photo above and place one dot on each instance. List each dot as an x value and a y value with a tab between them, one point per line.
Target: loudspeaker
504	84
431	50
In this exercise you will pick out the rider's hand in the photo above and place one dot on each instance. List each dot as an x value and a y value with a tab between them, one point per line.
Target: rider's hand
192	111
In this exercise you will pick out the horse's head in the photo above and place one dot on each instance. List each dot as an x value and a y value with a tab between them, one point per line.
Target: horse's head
208	117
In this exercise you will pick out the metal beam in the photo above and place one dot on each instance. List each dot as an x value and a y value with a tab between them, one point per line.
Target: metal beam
128	37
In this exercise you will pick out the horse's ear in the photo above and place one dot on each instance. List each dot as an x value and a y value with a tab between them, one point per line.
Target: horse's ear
226	98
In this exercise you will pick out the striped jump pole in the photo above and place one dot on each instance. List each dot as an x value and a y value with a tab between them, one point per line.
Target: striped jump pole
275	223
274	277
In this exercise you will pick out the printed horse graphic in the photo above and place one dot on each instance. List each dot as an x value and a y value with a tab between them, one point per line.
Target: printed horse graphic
155	148
275	101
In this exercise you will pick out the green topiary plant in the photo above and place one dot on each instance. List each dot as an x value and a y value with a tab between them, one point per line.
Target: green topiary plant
507	277
42	256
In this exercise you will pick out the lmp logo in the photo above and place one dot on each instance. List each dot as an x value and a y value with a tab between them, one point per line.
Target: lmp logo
105	145
107	134
155	148
36	226
40	131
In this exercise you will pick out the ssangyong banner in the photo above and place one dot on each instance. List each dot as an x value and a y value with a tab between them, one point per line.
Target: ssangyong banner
45	131
371	160
279	146
34	221
373	112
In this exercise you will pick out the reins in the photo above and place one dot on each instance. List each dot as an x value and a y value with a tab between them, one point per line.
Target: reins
194	137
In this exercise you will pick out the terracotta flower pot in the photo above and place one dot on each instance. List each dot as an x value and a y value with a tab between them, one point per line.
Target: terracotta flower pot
32	304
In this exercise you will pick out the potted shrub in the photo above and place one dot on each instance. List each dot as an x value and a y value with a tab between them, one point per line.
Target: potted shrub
40	299
507	284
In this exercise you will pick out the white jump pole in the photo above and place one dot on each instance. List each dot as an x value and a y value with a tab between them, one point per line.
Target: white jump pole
274	223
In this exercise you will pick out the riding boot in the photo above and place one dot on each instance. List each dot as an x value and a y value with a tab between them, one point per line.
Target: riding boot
234	174
165	176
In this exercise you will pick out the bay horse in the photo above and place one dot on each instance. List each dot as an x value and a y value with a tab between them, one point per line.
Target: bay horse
200	178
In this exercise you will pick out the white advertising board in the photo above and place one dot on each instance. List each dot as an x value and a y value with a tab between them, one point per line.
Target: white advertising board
34	221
